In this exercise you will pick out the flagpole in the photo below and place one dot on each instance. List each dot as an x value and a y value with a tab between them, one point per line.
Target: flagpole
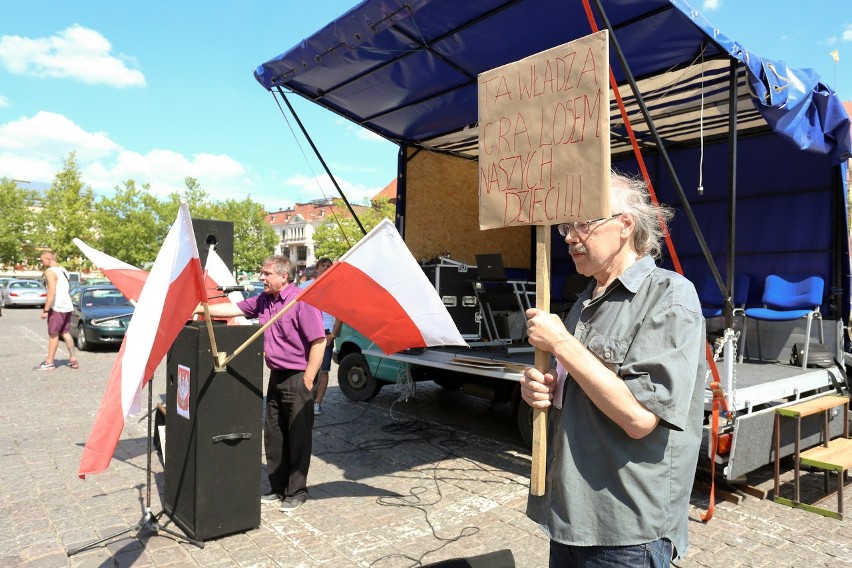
217	357
542	359
257	333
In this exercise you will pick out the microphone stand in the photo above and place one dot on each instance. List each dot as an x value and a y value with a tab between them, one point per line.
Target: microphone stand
149	522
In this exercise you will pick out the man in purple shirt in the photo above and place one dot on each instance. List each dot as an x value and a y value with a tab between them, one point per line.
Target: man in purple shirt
293	347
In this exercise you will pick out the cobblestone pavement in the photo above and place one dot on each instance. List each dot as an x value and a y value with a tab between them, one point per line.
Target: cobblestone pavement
393	483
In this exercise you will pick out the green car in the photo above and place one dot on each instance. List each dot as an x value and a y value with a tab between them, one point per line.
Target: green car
361	376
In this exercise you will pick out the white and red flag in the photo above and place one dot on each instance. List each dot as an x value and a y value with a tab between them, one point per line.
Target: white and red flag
173	289
378	288
127	278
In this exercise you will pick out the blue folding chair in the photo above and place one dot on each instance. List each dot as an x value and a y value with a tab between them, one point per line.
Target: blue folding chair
787	298
712	302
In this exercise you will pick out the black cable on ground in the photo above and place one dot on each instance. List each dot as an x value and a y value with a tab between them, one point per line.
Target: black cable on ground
417	430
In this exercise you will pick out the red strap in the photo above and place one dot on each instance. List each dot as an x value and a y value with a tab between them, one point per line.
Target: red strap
719	405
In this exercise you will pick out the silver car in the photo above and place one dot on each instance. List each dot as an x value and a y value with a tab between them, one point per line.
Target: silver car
23	293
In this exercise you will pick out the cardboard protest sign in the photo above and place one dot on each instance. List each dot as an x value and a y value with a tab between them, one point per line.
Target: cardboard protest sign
544	137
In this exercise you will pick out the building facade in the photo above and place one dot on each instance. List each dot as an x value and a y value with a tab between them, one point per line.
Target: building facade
295	228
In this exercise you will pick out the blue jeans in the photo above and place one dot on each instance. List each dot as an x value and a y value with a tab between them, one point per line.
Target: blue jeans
656	554
326	358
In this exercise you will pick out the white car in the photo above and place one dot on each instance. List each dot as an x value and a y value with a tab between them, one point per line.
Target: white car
23	293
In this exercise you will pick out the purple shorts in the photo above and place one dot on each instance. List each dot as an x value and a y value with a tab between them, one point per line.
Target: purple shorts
58	323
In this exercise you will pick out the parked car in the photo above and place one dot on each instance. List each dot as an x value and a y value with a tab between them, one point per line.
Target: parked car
3	281
23	293
101	314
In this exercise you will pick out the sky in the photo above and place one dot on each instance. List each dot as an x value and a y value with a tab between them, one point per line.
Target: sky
159	91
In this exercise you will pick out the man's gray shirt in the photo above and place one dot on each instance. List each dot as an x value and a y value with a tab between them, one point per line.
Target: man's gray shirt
603	487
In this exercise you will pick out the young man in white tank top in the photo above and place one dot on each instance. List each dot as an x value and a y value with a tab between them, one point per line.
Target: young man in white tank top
57	311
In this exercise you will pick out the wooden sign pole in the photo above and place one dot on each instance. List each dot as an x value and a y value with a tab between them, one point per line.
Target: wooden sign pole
544	159
542	358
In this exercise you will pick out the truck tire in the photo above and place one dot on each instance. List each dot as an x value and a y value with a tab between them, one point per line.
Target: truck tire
524	416
355	379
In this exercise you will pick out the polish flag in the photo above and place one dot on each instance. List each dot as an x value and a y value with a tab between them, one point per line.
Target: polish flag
378	288
173	289
127	278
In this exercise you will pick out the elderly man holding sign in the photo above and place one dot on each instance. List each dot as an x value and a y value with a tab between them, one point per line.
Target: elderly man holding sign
626	397
619	418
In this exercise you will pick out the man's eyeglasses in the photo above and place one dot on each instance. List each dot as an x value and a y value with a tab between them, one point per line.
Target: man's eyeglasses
582	227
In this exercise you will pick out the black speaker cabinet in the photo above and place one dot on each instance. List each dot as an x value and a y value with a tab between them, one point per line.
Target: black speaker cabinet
455	286
213	432
211	232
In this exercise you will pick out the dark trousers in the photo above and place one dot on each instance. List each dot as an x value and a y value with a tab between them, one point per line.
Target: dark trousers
288	432
656	554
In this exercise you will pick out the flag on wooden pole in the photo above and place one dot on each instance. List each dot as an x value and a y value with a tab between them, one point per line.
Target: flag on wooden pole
378	288
172	290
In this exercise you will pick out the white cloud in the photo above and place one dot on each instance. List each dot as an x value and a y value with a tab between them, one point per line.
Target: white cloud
4	102
710	5
220	176
34	149
845	35
47	134
360	132
24	168
76	53
307	188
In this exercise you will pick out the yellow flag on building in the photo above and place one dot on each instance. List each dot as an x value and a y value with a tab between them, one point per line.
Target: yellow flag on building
835	55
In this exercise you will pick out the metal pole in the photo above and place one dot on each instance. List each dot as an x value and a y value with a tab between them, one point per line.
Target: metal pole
319	156
732	192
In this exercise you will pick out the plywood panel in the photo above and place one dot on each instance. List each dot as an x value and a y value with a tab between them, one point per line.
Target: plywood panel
442	214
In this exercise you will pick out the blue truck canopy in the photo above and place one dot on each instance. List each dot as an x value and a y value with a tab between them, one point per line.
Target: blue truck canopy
407	70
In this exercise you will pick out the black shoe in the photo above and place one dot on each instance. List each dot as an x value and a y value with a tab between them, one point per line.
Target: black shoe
271	499
292	503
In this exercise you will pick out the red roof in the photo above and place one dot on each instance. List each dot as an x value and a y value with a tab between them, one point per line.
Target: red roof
389	191
311	211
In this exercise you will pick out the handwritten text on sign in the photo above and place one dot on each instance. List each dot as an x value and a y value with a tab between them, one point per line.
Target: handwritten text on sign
544	137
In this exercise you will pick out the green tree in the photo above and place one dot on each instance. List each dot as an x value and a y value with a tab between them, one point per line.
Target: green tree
200	206
338	233
68	212
16	223
254	239
130	225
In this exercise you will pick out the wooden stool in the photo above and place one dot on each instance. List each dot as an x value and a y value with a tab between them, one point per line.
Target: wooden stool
831	455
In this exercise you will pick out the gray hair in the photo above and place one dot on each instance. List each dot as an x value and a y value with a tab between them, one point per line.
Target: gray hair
631	196
281	264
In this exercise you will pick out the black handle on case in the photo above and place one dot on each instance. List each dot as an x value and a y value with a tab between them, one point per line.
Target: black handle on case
231	437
